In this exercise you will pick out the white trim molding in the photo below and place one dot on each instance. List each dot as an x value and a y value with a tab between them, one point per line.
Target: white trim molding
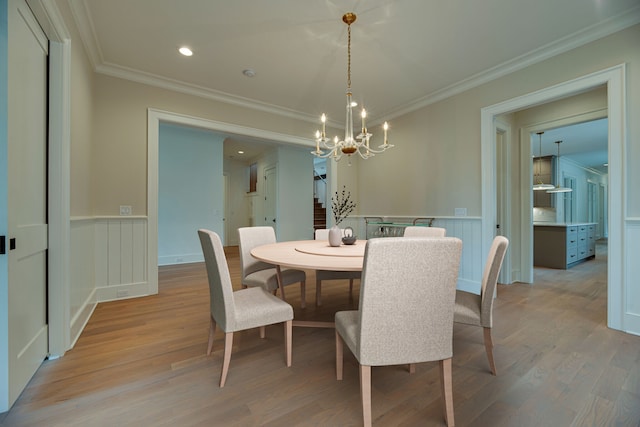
631	297
154	117
614	78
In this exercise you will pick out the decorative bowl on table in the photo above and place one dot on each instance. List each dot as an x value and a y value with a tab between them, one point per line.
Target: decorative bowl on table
349	240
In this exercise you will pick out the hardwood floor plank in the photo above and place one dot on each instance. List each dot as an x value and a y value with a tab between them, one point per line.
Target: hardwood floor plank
626	411
596	412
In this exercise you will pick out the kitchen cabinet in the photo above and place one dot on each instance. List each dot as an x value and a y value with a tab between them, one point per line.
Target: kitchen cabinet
563	245
543	171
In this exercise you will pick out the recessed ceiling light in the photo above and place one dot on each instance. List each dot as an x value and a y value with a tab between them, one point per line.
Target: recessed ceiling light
240	152
249	72
185	51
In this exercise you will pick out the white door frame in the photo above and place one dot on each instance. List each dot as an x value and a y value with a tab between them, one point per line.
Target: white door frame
504	163
270	201
154	117
614	79
59	206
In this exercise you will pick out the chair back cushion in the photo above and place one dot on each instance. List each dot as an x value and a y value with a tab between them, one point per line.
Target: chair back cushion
490	279
220	287
417	231
407	300
249	238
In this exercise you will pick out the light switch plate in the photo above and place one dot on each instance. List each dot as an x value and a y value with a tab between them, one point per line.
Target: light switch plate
125	210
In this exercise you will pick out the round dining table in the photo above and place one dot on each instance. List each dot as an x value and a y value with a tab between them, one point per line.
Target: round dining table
311	255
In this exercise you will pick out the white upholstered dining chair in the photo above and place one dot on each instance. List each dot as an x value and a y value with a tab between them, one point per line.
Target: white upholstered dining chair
240	310
477	310
417	231
258	273
406	311
323	234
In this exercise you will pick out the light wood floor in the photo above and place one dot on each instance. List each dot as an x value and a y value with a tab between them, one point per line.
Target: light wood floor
142	362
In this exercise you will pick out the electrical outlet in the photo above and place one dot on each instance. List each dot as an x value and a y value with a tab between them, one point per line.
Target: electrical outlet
125	210
122	293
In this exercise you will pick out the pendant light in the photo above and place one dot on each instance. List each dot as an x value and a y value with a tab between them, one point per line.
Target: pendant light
558	188
539	185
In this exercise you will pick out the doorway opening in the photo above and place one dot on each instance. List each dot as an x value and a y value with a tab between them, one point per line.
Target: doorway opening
613	79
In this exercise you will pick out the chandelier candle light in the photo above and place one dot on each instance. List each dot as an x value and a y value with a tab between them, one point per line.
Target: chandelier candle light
350	144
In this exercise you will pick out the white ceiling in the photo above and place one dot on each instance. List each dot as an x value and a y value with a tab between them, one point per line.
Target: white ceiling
405	53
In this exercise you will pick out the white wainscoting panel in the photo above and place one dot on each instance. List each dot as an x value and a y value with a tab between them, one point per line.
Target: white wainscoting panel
467	229
631	311
121	257
82	289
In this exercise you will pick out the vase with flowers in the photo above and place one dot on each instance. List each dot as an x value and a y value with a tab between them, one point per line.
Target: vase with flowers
341	207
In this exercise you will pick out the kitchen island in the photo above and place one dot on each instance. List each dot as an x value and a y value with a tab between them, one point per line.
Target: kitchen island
558	245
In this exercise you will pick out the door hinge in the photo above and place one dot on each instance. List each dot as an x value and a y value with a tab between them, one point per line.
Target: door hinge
2	245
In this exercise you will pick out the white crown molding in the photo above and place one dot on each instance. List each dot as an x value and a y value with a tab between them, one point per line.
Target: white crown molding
50	19
195	90
92	47
582	37
597	31
87	32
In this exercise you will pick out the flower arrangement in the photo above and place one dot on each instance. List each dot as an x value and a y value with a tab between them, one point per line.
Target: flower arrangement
342	205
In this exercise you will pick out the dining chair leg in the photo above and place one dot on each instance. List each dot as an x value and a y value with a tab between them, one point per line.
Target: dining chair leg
288	328
280	286
339	356
212	334
226	358
488	345
303	294
446	382
262	331
365	393
318	291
